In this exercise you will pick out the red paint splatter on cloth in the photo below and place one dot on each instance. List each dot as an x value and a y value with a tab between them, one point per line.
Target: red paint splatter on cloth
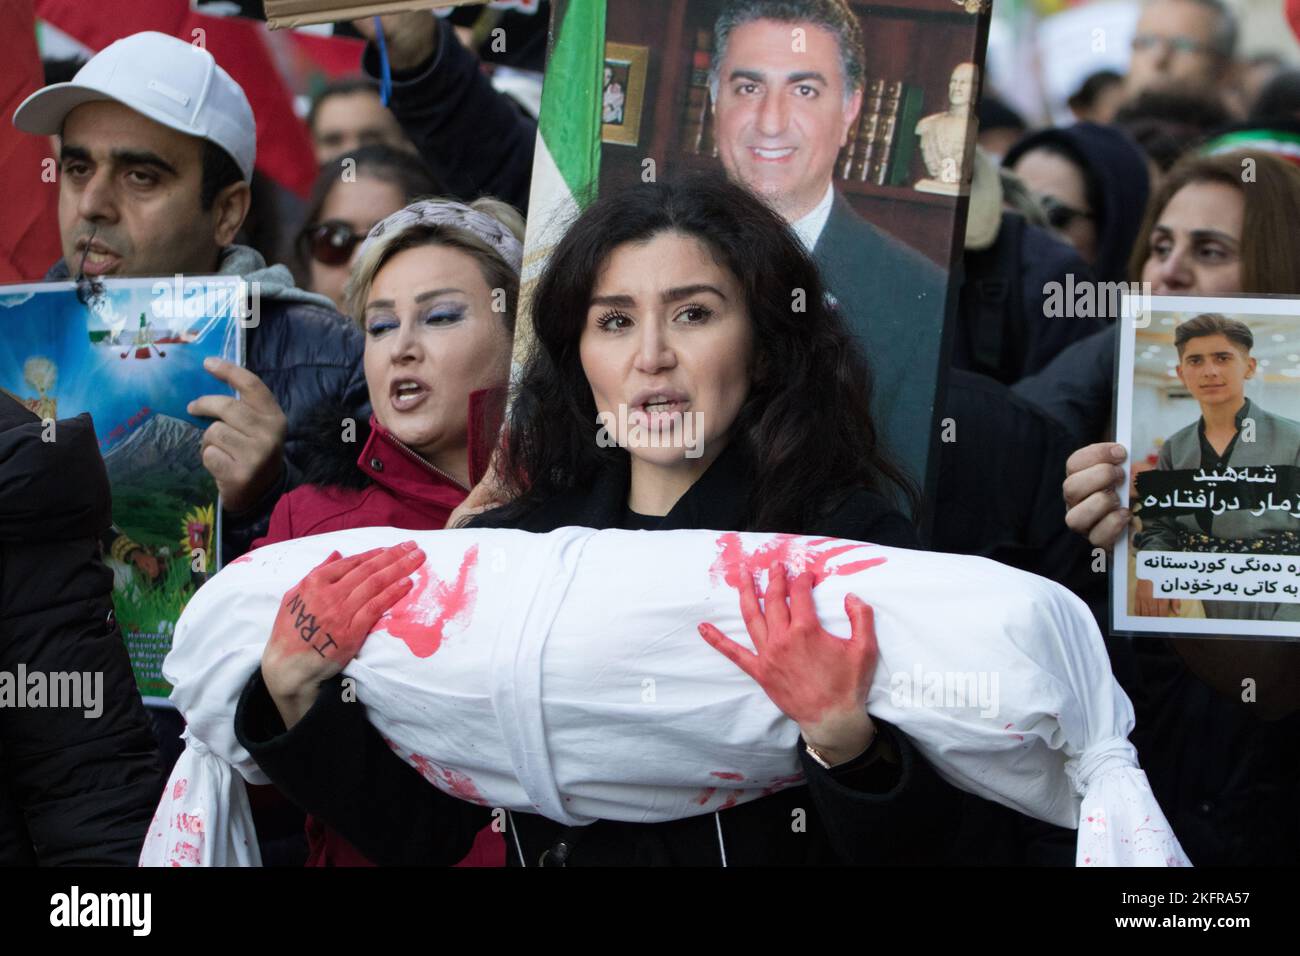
422	616
183	853
1017	736
725	775
449	781
732	798
182	785
781	783
798	554
242	559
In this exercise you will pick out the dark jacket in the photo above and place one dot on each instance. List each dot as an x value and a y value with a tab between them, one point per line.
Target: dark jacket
1003	327
334	762
74	789
893	300
476	140
308	356
999	487
1227	779
1077	388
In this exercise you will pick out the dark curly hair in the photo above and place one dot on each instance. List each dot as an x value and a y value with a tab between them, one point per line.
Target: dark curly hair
805	425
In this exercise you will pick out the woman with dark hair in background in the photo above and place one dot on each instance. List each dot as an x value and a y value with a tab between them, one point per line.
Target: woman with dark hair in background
1227	772
351	194
663	302
1095	181
1205	232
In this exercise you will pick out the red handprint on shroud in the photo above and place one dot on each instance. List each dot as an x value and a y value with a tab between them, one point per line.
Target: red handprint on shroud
421	618
798	554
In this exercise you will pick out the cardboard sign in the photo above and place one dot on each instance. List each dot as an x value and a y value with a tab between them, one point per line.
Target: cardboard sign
297	13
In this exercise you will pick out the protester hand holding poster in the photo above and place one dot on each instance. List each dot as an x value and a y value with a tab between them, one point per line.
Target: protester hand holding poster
133	358
849	119
1209	402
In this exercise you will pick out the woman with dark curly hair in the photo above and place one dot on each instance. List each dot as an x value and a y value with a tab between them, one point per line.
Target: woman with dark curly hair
687	373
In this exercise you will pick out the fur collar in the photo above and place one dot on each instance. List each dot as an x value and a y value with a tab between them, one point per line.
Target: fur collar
329	459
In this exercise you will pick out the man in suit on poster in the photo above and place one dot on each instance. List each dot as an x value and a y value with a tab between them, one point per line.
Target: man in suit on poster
787	82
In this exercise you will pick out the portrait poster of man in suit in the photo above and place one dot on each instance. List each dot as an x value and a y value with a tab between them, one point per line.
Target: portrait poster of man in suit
787	82
777	93
1223	491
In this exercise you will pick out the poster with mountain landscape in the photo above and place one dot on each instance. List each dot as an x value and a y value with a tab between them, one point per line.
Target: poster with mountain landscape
130	352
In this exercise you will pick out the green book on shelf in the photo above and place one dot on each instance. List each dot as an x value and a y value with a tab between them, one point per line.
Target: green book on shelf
905	138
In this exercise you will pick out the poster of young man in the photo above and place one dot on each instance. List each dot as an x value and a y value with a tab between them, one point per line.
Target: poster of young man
132	357
851	120
1209	403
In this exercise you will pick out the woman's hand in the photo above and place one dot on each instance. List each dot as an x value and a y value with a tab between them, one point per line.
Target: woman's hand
818	680
1091	476
325	618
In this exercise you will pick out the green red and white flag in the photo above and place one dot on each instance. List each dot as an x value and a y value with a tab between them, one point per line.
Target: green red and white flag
566	165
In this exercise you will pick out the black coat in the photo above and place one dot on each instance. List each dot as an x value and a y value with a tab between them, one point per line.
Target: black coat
73	789
334	763
477	141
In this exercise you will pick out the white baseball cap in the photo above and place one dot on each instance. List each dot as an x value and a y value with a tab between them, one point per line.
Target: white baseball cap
164	78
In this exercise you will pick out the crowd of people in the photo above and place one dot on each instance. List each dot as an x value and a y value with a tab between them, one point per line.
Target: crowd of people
396	310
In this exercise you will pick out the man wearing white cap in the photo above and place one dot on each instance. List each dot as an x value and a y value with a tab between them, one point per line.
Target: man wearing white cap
157	150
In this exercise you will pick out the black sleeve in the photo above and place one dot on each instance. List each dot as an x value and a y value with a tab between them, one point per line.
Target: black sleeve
884	813
85	781
335	765
1076	388
868	517
476	140
240	529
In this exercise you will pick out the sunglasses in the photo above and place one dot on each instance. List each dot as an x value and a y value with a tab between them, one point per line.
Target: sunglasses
331	243
1059	215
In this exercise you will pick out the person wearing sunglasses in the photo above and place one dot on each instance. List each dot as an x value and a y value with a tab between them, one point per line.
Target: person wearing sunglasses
1093	181
352	193
1187	44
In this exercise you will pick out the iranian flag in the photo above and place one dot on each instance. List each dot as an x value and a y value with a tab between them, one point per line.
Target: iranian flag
566	165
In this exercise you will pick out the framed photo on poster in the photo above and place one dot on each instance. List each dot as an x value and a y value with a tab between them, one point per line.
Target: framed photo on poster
623	93
1208	404
877	189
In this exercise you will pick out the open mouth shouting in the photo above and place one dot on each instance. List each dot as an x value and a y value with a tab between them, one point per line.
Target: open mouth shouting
407	393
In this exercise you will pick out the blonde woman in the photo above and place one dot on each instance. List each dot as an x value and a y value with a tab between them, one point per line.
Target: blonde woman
434	290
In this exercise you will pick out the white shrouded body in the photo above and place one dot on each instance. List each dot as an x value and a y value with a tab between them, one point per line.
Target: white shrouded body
563	674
